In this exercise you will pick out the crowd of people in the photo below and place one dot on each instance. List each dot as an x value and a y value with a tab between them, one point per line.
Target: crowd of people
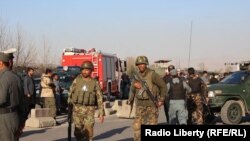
183	95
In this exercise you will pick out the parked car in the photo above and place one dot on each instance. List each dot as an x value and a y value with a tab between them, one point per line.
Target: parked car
37	82
231	97
65	81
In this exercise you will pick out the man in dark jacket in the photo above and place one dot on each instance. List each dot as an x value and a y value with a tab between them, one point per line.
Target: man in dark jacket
29	89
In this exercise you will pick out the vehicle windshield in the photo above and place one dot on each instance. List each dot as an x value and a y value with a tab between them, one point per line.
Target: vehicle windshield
37	81
69	69
235	78
66	81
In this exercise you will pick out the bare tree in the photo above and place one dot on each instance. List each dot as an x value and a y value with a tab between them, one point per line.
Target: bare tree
5	40
46	56
130	65
26	50
19	45
29	55
26	54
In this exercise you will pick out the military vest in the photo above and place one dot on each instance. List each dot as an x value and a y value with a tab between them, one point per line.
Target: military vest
195	84
85	93
152	87
177	91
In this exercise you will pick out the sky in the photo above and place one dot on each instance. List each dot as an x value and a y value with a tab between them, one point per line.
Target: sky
158	29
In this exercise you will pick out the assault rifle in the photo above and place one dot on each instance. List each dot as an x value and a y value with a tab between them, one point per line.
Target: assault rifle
70	110
146	88
131	102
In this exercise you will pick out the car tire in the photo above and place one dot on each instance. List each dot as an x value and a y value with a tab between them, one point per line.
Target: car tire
231	112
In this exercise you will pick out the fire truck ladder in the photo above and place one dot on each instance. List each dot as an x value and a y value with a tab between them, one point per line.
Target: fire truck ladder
95	63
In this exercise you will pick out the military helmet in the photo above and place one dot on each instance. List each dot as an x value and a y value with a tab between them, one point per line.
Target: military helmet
87	65
141	60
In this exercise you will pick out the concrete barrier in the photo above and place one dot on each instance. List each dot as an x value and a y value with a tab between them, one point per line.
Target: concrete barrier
40	122
117	105
123	110
107	109
39	112
39	118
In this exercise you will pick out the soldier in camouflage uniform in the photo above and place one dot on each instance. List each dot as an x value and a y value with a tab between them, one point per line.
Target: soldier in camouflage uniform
85	94
195	98
146	111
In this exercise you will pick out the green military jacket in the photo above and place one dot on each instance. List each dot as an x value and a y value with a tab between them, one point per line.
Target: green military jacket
86	92
156	85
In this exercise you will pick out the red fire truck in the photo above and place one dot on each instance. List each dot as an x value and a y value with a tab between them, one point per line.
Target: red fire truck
108	68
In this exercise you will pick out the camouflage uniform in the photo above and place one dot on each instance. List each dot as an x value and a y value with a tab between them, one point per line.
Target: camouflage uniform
195	105
47	95
85	95
195	101
145	115
146	112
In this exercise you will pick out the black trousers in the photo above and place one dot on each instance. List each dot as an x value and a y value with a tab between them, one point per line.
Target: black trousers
166	109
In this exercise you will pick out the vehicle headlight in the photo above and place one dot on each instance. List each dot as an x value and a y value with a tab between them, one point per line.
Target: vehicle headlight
211	94
65	91
218	91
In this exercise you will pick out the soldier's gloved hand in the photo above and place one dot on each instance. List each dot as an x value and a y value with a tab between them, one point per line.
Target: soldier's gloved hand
101	118
137	85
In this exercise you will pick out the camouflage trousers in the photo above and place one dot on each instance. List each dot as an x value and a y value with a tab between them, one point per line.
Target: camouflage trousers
195	109
50	102
144	116
84	120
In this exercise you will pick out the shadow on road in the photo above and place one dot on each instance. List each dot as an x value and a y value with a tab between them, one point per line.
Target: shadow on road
65	139
127	139
28	133
111	133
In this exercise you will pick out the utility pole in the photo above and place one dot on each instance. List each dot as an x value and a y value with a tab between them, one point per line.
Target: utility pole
190	44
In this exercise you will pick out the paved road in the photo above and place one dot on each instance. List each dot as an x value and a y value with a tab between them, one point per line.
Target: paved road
113	129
